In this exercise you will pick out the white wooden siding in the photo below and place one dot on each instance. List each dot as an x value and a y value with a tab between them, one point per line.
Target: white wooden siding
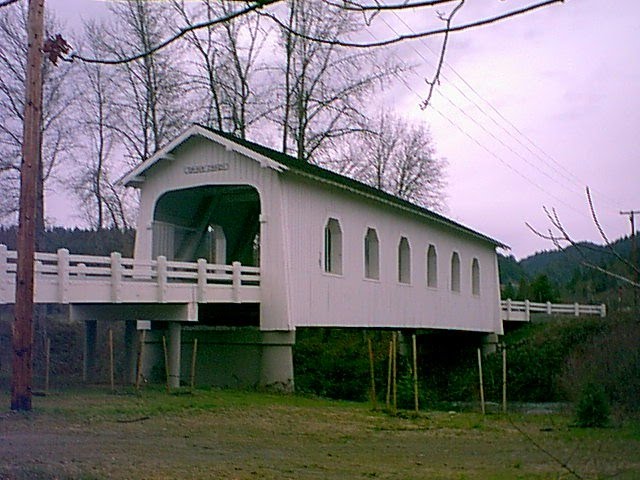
168	176
295	289
320	299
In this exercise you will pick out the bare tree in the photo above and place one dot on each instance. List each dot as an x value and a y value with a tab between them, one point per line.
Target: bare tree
55	126
396	157
149	99
324	85
102	202
226	66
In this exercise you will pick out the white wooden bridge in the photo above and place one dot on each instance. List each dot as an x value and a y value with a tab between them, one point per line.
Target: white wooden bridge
85	279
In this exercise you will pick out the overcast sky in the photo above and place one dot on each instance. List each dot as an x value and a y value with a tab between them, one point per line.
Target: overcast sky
529	112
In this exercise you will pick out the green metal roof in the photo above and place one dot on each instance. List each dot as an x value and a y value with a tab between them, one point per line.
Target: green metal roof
308	169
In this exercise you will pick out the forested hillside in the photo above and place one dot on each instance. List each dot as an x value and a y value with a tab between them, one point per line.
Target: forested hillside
87	242
564	275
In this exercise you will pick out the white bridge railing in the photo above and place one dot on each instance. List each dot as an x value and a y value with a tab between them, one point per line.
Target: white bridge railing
64	278
513	310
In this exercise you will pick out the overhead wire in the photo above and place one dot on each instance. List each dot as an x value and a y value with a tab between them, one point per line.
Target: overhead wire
484	147
543	156
500	159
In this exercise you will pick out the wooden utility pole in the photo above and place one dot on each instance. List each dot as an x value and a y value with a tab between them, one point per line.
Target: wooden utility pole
22	339
634	254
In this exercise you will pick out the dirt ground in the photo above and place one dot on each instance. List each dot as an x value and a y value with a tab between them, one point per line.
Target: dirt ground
241	435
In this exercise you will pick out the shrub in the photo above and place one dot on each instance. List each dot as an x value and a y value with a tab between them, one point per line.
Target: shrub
334	362
592	409
611	360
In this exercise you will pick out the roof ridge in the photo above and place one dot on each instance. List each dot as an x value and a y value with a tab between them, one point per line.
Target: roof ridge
329	175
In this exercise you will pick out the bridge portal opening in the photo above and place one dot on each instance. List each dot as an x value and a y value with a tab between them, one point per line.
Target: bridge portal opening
219	223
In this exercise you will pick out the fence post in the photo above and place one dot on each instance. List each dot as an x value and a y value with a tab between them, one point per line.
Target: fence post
82	271
482	407
116	276
508	309
603	310
504	377
202	278
527	310
236	282
576	309
63	275
161	271
548	308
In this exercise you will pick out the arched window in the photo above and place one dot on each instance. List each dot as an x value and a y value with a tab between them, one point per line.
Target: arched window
371	255
475	277
333	247
432	267
455	272
404	261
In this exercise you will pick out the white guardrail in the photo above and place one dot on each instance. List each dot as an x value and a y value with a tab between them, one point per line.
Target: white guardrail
513	310
64	278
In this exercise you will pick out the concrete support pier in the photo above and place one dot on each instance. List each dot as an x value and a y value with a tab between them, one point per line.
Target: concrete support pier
90	339
489	343
131	350
276	369
174	342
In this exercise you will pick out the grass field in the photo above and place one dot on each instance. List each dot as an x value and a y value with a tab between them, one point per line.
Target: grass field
92	434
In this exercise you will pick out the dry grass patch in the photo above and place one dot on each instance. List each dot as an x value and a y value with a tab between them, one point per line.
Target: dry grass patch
245	435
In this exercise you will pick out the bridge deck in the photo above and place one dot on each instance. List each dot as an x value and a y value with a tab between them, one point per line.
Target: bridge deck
64	278
86	279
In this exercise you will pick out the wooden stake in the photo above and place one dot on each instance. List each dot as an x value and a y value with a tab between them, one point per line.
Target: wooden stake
372	374
504	378
194	356
388	403
481	382
415	373
47	363
395	372
139	361
111	362
166	363
22	331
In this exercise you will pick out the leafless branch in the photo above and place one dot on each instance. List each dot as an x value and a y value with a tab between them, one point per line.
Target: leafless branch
611	274
6	3
415	35
181	33
604	236
436	76
378	7
564	237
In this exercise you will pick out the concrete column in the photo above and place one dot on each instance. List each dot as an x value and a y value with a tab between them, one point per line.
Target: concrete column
404	348
173	353
489	343
90	337
131	350
276	370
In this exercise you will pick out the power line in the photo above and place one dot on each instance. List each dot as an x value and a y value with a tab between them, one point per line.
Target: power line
488	150
535	167
569	175
495	155
634	252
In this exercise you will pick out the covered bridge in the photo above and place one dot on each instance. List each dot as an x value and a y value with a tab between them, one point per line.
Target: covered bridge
243	244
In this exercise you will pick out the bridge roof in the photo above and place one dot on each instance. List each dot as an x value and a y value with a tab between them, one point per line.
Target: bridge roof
282	162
